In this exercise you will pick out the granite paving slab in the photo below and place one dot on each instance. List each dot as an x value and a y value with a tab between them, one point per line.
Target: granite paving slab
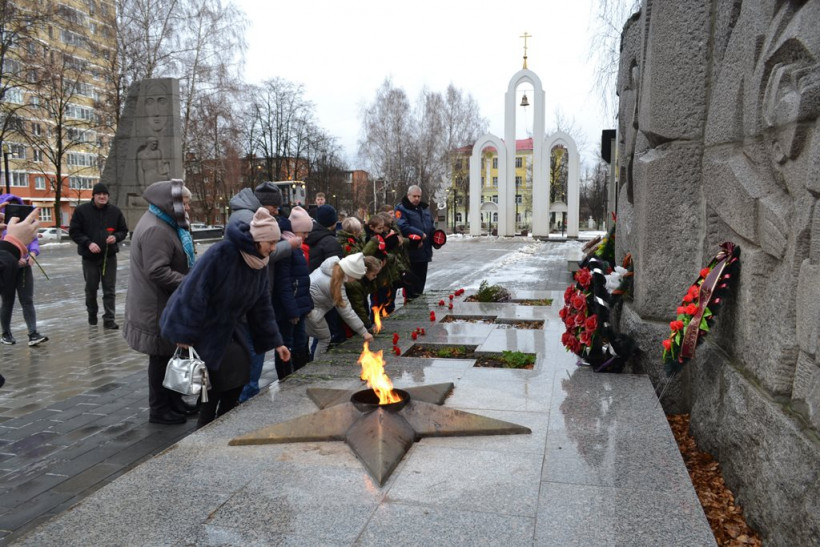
597	468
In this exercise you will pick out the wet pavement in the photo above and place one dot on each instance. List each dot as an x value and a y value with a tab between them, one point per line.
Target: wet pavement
74	409
75	418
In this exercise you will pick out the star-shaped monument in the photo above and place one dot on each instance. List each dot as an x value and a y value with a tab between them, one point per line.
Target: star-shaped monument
379	435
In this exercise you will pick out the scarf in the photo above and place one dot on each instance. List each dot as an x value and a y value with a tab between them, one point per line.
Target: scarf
254	262
184	235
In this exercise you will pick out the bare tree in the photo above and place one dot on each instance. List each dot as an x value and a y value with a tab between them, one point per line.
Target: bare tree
594	192
420	146
387	128
605	48
19	28
67	139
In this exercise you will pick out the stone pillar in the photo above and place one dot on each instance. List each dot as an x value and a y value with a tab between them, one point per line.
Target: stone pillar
147	147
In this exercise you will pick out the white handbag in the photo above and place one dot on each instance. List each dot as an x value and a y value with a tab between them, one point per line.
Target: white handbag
187	375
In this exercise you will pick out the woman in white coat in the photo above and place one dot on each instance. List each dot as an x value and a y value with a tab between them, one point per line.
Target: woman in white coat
328	291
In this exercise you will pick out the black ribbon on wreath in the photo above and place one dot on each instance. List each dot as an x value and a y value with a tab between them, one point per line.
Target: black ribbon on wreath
587	316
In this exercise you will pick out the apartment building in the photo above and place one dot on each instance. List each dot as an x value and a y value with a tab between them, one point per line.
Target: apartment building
56	79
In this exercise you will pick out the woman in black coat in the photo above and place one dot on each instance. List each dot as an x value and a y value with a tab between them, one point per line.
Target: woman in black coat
228	283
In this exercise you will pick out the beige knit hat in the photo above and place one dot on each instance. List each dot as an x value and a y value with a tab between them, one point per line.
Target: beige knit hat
300	220
353	265
264	227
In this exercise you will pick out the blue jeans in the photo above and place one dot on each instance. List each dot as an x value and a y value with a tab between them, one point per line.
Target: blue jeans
257	362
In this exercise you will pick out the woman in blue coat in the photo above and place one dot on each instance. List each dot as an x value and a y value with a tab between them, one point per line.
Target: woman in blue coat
228	283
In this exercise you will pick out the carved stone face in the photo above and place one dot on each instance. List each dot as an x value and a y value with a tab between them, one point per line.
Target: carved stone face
157	107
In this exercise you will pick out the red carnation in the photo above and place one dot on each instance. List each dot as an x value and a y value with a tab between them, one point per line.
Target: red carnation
591	323
432	316
691	309
395	337
397	350
414	335
347	248
450	306
680	310
667	344
110	230
441	302
451	297
583	277
579	301
676	325
421	330
704	272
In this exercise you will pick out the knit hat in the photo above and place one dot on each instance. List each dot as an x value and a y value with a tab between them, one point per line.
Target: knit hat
268	194
300	220
264	227
326	215
99	188
353	265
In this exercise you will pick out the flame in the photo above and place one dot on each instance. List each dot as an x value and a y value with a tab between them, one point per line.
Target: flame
373	373
378	313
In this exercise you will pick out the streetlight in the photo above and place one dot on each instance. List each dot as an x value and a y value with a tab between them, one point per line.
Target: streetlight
336	201
455	206
6	167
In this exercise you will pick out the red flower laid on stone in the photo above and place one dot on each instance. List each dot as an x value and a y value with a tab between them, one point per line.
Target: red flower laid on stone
395	337
441	302
422	331
432	316
397	350
414	335
450	306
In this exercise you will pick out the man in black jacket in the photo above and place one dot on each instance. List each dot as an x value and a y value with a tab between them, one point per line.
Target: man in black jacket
96	227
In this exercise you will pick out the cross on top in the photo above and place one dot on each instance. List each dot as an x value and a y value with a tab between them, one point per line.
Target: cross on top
525	36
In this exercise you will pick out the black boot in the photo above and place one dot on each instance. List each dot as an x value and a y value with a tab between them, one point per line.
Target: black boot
299	360
283	368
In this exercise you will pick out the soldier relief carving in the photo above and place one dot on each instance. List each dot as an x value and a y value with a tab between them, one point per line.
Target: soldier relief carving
157	111
761	159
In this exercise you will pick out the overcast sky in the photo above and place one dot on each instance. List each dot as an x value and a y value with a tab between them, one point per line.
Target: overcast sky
342	51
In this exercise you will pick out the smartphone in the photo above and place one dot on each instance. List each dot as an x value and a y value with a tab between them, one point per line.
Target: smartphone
17	210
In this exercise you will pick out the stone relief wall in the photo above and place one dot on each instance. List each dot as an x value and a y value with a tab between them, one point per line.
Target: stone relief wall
147	147
718	140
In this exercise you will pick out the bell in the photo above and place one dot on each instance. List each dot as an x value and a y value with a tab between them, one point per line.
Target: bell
524	101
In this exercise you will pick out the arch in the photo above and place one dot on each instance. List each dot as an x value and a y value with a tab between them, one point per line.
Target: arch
559	138
540	190
486	141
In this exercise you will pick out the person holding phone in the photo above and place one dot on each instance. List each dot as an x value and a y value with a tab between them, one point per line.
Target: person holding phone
97	227
15	236
23	284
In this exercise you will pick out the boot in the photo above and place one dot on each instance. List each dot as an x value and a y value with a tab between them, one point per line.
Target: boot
299	360
283	368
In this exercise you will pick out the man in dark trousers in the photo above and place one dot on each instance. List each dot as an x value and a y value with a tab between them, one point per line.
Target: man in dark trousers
96	227
416	224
